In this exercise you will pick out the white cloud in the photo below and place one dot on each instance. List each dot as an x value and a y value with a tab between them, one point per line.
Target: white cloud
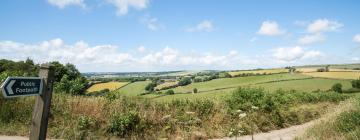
355	59
253	39
357	38
141	49
63	3
323	25
290	54
123	6
205	26
310	39
270	28
152	23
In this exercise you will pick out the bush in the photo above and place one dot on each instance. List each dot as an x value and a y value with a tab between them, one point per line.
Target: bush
337	88
245	98
348	121
170	92
355	83
195	90
352	90
185	81
150	87
321	70
124	125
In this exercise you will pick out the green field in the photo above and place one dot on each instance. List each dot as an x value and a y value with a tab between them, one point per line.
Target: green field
133	89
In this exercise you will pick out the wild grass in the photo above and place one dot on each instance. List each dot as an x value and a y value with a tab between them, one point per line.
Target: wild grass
79	117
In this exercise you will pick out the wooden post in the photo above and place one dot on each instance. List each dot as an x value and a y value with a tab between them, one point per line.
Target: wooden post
41	111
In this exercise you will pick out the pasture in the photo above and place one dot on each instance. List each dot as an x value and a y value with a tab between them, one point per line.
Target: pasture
109	85
133	89
336	75
267	71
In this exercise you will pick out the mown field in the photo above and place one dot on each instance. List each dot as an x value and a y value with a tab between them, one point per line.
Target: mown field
267	71
336	75
109	85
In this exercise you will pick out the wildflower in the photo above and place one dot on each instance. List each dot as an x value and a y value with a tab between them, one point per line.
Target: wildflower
242	115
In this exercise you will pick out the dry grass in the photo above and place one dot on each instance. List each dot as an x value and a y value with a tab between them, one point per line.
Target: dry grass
335	75
109	85
267	71
324	129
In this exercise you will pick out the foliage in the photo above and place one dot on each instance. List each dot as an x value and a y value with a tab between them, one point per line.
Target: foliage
337	88
348	121
124	125
195	90
170	92
355	83
150	87
184	81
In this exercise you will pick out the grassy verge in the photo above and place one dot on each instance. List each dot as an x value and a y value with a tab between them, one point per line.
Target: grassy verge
342	124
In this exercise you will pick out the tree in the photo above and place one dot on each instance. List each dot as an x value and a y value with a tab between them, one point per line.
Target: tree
337	88
184	81
170	92
150	87
195	90
355	83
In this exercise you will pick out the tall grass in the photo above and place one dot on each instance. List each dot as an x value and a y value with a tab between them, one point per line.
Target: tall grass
249	110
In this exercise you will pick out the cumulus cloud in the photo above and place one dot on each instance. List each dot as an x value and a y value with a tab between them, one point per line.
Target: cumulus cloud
152	23
323	25
204	26
310	39
357	38
141	49
63	3
270	28
123	6
289	54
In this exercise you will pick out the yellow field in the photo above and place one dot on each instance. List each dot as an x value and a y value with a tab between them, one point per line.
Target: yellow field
268	71
332	70
335	75
166	84
109	85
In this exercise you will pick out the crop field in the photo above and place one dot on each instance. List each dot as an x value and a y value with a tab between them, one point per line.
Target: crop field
133	89
109	85
267	71
166	85
335	75
313	69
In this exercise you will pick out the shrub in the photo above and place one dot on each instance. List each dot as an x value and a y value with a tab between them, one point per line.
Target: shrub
245	98
150	86
321	70
195	90
337	88
170	92
355	83
348	121
352	90
124	125
185	81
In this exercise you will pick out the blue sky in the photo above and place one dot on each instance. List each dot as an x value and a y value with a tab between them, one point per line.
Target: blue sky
157	35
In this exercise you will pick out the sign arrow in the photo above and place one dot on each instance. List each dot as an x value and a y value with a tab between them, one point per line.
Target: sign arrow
8	87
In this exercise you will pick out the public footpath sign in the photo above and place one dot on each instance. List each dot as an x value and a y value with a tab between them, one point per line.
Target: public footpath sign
22	86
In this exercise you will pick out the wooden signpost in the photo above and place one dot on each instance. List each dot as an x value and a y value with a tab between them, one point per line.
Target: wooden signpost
41	87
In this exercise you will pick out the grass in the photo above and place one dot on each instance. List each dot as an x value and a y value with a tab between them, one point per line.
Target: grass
335	75
267	71
342	123
133	89
305	85
109	85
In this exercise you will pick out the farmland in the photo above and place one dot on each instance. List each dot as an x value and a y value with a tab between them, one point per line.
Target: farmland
336	75
266	71
109	85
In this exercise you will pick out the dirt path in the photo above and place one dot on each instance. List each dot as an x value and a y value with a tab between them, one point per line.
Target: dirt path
13	138
292	132
282	134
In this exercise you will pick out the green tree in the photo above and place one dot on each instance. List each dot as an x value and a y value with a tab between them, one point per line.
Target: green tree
337	88
170	92
195	90
184	81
